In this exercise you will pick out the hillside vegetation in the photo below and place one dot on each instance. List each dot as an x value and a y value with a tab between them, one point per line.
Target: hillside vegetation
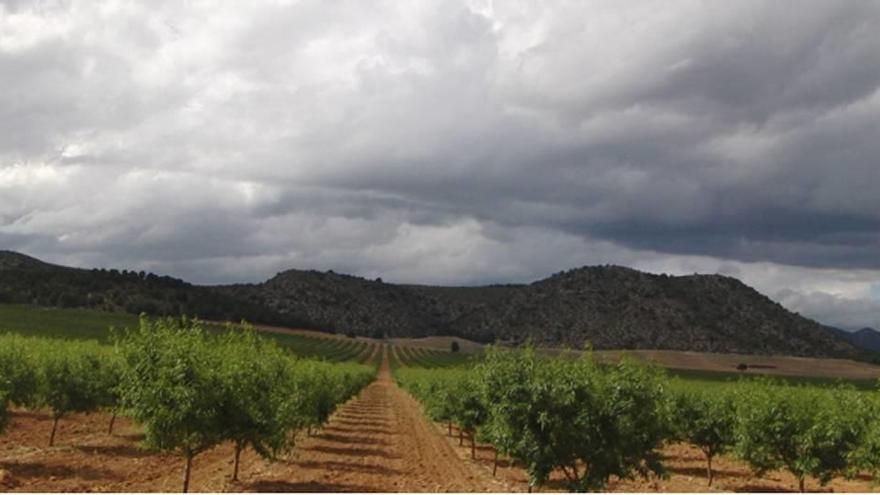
609	307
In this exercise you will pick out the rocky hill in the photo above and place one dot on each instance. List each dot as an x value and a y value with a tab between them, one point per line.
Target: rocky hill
609	307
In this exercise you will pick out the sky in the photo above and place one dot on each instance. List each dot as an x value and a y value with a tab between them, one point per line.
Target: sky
450	142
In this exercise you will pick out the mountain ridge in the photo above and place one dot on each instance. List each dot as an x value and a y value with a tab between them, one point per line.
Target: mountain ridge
608	306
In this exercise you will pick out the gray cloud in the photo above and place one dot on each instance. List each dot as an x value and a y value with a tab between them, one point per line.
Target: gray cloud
449	142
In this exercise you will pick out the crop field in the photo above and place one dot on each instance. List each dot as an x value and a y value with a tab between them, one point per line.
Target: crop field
84	324
301	411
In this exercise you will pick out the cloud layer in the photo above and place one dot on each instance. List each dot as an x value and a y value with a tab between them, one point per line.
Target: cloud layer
450	142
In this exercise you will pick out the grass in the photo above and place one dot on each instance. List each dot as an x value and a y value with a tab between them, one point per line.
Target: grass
86	324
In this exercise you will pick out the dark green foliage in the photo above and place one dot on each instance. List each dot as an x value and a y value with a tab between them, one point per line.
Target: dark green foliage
454	347
28	281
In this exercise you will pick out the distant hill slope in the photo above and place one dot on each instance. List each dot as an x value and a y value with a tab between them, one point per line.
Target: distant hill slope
608	306
26	280
866	338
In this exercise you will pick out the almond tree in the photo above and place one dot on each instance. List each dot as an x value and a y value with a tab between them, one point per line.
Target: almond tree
705	419
253	375
69	380
866	456
573	415
808	431
18	375
172	385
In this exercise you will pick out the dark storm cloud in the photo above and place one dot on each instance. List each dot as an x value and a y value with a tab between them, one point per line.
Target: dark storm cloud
448	142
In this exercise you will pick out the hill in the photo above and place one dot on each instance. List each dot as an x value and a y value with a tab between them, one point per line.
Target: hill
866	338
26	280
610	307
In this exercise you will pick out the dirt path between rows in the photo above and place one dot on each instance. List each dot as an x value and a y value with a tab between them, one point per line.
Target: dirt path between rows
378	441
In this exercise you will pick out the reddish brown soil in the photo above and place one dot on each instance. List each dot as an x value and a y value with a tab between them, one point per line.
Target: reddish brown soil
687	473
379	441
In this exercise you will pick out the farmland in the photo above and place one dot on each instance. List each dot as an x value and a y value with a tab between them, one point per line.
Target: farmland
380	437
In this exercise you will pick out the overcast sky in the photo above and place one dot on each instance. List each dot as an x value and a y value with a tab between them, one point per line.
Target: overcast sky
450	142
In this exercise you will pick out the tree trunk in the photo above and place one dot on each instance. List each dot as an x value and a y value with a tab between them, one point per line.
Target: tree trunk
709	473
235	464
186	471
112	421
460	437
449	426
309	430
801	484
473	446
530	488
495	464
54	429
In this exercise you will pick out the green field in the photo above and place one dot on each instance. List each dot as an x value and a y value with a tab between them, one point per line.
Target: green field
418	357
79	324
715	378
85	324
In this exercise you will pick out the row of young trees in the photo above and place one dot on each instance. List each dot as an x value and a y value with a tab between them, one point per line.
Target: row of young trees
39	373
812	432
190	389
572	415
592	421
